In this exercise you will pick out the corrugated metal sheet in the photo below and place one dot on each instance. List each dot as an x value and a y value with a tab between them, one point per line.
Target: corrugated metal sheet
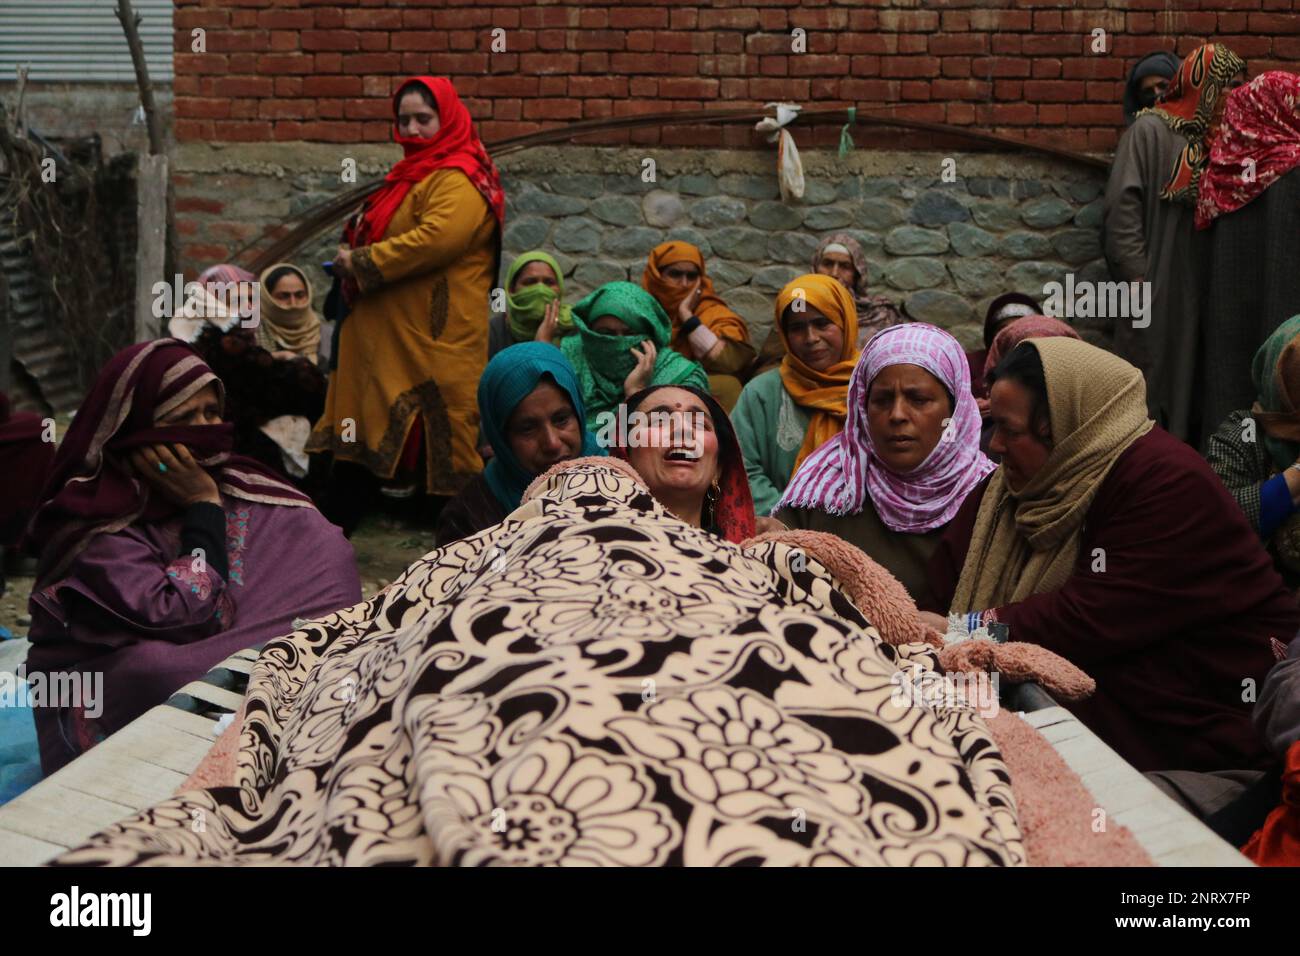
36	348
74	41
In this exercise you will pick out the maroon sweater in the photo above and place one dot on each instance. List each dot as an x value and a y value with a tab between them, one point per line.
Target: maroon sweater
1179	618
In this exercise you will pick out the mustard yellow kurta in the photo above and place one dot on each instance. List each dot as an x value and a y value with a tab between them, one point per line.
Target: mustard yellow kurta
416	340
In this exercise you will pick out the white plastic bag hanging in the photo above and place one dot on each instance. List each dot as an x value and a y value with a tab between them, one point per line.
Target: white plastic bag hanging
789	168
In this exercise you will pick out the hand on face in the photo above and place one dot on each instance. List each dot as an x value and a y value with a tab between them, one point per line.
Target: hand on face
640	376
686	277
181	480
550	322
690	303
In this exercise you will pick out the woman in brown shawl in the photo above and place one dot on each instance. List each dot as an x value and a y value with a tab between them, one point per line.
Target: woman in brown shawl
1106	540
288	326
1150	237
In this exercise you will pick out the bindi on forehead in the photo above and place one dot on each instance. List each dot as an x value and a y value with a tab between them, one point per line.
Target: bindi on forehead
679	406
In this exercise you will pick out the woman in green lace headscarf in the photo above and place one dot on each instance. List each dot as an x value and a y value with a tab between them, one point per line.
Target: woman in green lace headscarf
526	303
621	347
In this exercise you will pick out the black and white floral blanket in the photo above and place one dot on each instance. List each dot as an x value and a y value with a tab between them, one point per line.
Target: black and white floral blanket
593	682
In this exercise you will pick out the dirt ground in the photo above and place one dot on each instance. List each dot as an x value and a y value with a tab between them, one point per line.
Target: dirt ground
384	545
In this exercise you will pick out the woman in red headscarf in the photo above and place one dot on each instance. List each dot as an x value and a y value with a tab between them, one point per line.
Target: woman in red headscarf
1149	234
417	265
1250	196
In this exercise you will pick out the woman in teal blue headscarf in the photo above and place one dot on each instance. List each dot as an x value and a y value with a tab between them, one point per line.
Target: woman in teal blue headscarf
532	414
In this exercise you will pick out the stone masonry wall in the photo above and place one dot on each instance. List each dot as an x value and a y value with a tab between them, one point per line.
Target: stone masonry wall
941	249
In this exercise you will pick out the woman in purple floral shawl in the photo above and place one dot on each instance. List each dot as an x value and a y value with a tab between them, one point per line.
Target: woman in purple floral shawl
161	553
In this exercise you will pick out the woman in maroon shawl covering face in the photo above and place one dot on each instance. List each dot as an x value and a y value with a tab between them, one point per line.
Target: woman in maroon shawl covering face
161	553
151	400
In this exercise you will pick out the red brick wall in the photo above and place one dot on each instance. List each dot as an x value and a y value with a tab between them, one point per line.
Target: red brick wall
321	70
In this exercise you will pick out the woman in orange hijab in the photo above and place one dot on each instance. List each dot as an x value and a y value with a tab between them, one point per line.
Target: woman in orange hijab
704	329
786	413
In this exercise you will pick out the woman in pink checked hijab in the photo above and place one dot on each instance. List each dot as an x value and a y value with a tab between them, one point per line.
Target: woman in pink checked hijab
907	457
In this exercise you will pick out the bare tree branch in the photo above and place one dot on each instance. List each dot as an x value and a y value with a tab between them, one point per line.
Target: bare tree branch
130	21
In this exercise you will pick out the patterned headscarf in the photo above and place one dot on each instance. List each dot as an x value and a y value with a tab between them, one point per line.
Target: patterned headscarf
221	303
526	307
841	473
1191	109
603	362
825	394
508	379
1276	373
1030	327
1258	142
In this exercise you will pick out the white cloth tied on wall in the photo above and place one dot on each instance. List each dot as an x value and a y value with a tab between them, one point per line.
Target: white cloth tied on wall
789	169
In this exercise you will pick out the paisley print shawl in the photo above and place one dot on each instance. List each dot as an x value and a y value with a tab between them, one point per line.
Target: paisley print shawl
593	682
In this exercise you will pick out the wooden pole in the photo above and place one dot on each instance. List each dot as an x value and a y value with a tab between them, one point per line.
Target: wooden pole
151	242
130	21
151	182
